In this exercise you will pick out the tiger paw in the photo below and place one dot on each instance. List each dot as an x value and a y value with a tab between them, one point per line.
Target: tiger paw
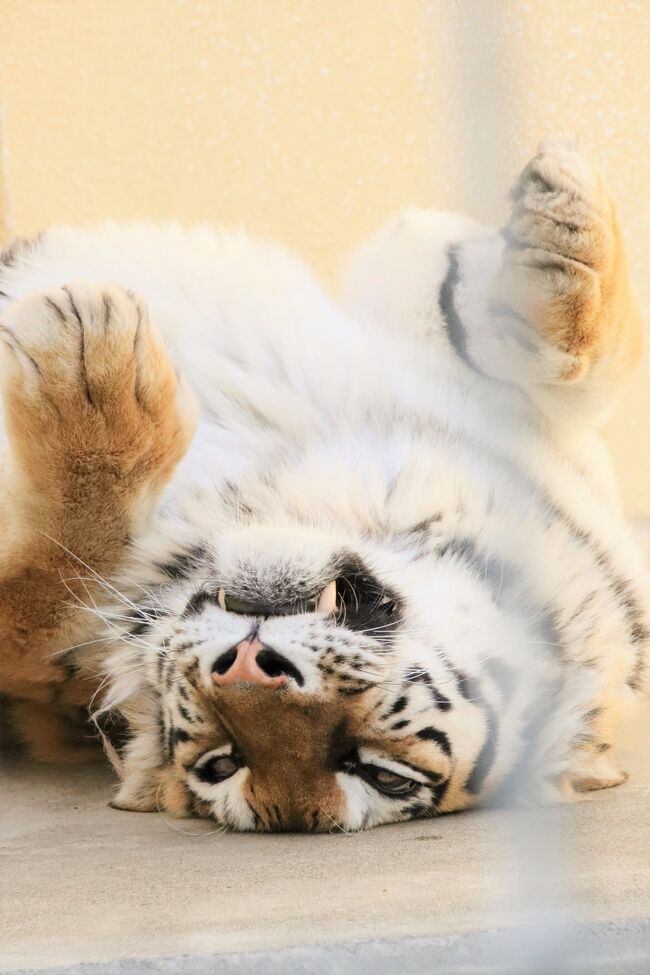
595	769
92	400
564	267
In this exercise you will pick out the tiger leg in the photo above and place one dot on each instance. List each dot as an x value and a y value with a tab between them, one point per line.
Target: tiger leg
52	733
563	297
96	422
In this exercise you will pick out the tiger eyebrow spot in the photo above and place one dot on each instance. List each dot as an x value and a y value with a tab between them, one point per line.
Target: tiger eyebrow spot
434	734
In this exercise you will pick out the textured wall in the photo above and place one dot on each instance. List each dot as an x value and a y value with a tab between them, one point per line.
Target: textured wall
312	120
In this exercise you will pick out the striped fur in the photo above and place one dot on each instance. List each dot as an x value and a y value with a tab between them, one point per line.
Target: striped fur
432	447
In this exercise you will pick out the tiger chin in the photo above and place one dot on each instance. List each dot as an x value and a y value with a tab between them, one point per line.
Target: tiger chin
336	566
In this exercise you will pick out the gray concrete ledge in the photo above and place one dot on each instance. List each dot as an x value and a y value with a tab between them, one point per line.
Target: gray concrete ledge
621	948
84	888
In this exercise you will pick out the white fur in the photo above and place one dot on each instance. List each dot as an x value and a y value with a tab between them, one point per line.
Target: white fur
344	429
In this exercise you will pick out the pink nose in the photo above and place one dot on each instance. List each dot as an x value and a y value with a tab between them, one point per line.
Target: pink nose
245	668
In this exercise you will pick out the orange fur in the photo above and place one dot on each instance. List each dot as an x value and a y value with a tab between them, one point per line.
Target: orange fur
96	423
293	744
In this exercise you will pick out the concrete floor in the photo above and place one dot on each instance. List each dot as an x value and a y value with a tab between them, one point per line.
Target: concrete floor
80	882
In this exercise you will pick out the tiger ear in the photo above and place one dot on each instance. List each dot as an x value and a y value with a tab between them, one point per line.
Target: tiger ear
139	762
147	782
154	790
147	785
140	769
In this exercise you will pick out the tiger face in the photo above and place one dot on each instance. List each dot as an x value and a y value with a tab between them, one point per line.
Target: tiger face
300	684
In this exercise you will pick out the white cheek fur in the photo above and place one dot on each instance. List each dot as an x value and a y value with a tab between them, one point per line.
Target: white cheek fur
226	798
358	800
365	806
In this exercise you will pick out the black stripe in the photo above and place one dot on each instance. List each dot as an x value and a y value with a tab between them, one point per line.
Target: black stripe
169	743
454	327
398	705
198	808
140	627
494	570
620	587
82	342
198	601
359	688
180	734
439	793
434	734
453	323
184	713
256	819
513	243
468	686
181	564
147	616
107	303
434	777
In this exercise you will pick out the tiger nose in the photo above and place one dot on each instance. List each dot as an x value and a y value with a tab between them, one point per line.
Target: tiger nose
251	662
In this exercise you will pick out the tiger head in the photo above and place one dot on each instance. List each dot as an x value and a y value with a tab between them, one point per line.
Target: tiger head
302	681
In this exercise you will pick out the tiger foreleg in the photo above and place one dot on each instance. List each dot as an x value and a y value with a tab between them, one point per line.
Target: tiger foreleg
96	422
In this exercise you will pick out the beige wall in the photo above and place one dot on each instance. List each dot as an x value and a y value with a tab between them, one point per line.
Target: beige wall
313	120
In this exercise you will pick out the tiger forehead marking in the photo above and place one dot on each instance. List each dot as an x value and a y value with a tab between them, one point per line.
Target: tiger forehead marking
294	748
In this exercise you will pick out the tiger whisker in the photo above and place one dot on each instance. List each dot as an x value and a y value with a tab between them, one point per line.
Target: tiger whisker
113	628
334	822
99	578
143	615
78	646
198	834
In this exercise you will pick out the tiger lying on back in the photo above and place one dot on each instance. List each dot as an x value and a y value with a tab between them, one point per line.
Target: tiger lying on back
380	573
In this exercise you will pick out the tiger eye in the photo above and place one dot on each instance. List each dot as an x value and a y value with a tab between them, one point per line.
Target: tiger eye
390	783
217	769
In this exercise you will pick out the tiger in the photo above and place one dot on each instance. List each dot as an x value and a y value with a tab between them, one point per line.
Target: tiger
325	562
